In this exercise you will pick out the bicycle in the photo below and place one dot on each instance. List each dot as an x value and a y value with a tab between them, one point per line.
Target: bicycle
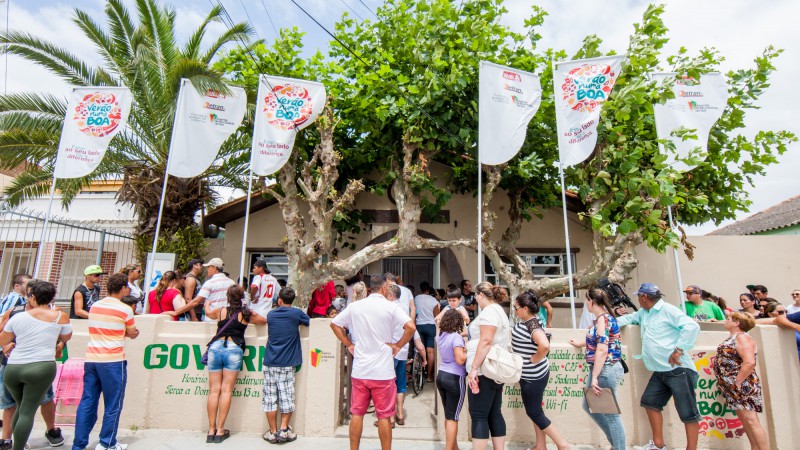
418	374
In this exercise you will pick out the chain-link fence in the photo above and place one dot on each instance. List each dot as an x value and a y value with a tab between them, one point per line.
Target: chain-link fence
69	246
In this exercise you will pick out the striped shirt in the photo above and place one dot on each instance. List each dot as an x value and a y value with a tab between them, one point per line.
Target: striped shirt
523	345
215	291
108	320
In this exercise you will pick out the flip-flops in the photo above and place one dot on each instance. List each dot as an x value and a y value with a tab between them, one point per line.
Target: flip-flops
221	437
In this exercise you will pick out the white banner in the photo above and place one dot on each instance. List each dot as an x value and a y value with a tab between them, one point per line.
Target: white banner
94	116
202	123
508	100
581	88
697	106
283	107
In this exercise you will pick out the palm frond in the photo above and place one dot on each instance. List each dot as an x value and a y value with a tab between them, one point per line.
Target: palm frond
62	63
121	26
240	32
35	146
192	48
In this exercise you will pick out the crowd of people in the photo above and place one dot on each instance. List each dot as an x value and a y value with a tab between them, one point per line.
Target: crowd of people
378	321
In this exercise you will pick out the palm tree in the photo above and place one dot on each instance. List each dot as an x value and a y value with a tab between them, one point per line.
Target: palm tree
143	56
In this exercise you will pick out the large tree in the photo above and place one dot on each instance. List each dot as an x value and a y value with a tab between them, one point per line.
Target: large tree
403	99
142	54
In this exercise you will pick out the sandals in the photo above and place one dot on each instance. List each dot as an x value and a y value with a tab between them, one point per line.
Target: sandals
400	421
210	436
221	437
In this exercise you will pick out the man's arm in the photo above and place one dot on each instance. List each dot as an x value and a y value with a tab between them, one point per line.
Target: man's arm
689	330
188	292
549	308
719	314
789	321
412	309
304	319
342	336
130	327
633	318
78	305
408	332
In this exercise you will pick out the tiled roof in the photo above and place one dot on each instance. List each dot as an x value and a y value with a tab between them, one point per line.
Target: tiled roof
782	215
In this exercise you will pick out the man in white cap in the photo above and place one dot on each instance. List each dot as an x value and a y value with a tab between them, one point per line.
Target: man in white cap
215	288
86	294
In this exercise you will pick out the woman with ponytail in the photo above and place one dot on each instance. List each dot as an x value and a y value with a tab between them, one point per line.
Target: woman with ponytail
160	298
486	396
603	355
529	340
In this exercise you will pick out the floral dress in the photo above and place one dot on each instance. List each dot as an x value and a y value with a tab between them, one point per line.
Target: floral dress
727	365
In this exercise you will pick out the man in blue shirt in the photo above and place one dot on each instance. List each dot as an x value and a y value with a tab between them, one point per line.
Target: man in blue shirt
667	334
283	354
17	295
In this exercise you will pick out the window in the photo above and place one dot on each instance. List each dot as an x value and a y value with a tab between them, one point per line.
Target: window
73	264
14	261
277	263
543	265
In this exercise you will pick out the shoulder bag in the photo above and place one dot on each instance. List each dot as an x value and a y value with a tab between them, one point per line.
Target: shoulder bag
500	364
204	361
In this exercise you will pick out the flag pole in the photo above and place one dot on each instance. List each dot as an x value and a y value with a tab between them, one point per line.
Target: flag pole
152	257
568	250
677	262
46	230
246	220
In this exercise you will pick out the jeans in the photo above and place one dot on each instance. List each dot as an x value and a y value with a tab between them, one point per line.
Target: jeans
108	379
611	424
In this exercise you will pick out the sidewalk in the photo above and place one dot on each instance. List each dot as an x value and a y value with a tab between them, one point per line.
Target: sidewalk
186	440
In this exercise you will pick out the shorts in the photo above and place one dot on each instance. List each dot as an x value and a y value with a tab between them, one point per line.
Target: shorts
401	378
382	392
278	389
452	389
225	355
678	384
427	332
7	401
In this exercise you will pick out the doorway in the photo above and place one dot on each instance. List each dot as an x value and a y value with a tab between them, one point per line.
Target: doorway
412	270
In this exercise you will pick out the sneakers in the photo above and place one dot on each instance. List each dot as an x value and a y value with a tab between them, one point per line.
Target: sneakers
6	445
652	446
54	437
271	437
286	435
116	447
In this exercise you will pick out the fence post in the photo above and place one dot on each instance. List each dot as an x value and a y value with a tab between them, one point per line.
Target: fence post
100	246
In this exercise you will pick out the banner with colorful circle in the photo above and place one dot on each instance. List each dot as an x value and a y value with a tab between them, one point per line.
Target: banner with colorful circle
94	116
697	106
581	88
284	107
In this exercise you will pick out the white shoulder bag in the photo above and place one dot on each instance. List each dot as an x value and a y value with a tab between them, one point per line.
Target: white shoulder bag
502	365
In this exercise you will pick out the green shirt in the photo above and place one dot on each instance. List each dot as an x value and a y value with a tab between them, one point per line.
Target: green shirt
705	312
664	327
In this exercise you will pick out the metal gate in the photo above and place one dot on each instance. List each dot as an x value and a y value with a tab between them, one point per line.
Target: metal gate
69	246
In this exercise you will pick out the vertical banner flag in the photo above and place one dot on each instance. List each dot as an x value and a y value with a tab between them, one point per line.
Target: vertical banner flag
581	88
94	116
203	122
697	106
284	106
508	100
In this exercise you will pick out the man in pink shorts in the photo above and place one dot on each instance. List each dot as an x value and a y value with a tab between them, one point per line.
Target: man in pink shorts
371	323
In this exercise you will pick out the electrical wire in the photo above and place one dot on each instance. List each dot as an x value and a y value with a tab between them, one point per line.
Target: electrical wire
351	9
270	19
368	8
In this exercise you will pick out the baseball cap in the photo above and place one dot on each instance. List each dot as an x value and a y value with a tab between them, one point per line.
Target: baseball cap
648	289
263	264
693	289
94	269
192	262
216	262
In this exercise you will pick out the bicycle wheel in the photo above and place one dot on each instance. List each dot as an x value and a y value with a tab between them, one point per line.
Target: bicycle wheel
418	375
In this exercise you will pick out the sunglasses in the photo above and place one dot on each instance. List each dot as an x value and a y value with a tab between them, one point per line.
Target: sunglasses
517	307
780	312
796	294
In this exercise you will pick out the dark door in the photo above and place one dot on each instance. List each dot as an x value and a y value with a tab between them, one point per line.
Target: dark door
415	271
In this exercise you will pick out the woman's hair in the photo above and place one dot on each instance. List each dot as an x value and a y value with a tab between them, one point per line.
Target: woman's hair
43	292
441	293
127	269
771	307
453	293
163	284
720	302
489	291
452	322
236	302
745	319
749	296
529	300
359	291
600	297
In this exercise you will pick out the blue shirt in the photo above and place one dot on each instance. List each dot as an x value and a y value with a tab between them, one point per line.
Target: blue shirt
11	300
795	318
283	337
664	327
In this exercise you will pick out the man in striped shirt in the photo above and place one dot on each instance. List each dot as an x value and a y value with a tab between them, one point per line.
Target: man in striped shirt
214	290
105	369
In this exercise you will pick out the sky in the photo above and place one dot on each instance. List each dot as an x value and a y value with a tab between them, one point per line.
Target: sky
740	29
